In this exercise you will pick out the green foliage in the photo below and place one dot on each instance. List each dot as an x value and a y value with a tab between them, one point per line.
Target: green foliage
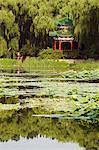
32	20
86	24
7	17
14	32
3	47
50	54
84	75
76	100
14	44
29	50
75	54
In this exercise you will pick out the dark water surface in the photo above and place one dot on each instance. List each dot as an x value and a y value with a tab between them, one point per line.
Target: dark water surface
23	128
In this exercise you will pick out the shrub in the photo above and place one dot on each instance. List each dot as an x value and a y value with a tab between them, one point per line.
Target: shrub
50	54
30	51
72	54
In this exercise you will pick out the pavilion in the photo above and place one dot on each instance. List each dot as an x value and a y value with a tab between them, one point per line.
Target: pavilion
63	34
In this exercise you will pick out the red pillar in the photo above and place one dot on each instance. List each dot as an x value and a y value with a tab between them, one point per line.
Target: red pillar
71	45
60	46
54	48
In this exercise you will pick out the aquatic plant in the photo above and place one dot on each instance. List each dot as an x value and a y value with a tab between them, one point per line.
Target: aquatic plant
73	99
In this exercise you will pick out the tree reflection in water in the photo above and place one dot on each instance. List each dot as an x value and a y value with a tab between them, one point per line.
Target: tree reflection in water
16	124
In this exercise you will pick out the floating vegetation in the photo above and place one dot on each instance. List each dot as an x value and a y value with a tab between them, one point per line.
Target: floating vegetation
72	99
83	75
52	105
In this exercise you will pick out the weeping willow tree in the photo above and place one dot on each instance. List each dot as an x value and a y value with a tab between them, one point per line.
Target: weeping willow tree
85	16
31	20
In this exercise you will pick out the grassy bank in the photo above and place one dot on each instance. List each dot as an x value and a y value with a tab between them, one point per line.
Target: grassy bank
9	64
31	64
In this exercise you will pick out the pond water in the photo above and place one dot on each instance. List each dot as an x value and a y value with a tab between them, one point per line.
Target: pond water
47	111
39	144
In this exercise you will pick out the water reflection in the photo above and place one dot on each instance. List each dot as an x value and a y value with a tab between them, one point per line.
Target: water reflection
16	124
39	143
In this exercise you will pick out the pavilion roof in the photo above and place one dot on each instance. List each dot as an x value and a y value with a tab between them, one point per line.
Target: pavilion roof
64	21
62	30
61	33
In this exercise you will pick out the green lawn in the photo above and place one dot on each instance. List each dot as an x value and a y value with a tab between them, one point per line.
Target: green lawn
31	64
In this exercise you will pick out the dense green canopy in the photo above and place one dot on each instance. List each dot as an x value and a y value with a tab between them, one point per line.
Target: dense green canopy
29	21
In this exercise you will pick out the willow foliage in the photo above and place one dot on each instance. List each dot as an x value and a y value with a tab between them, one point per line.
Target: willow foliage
31	20
3	46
